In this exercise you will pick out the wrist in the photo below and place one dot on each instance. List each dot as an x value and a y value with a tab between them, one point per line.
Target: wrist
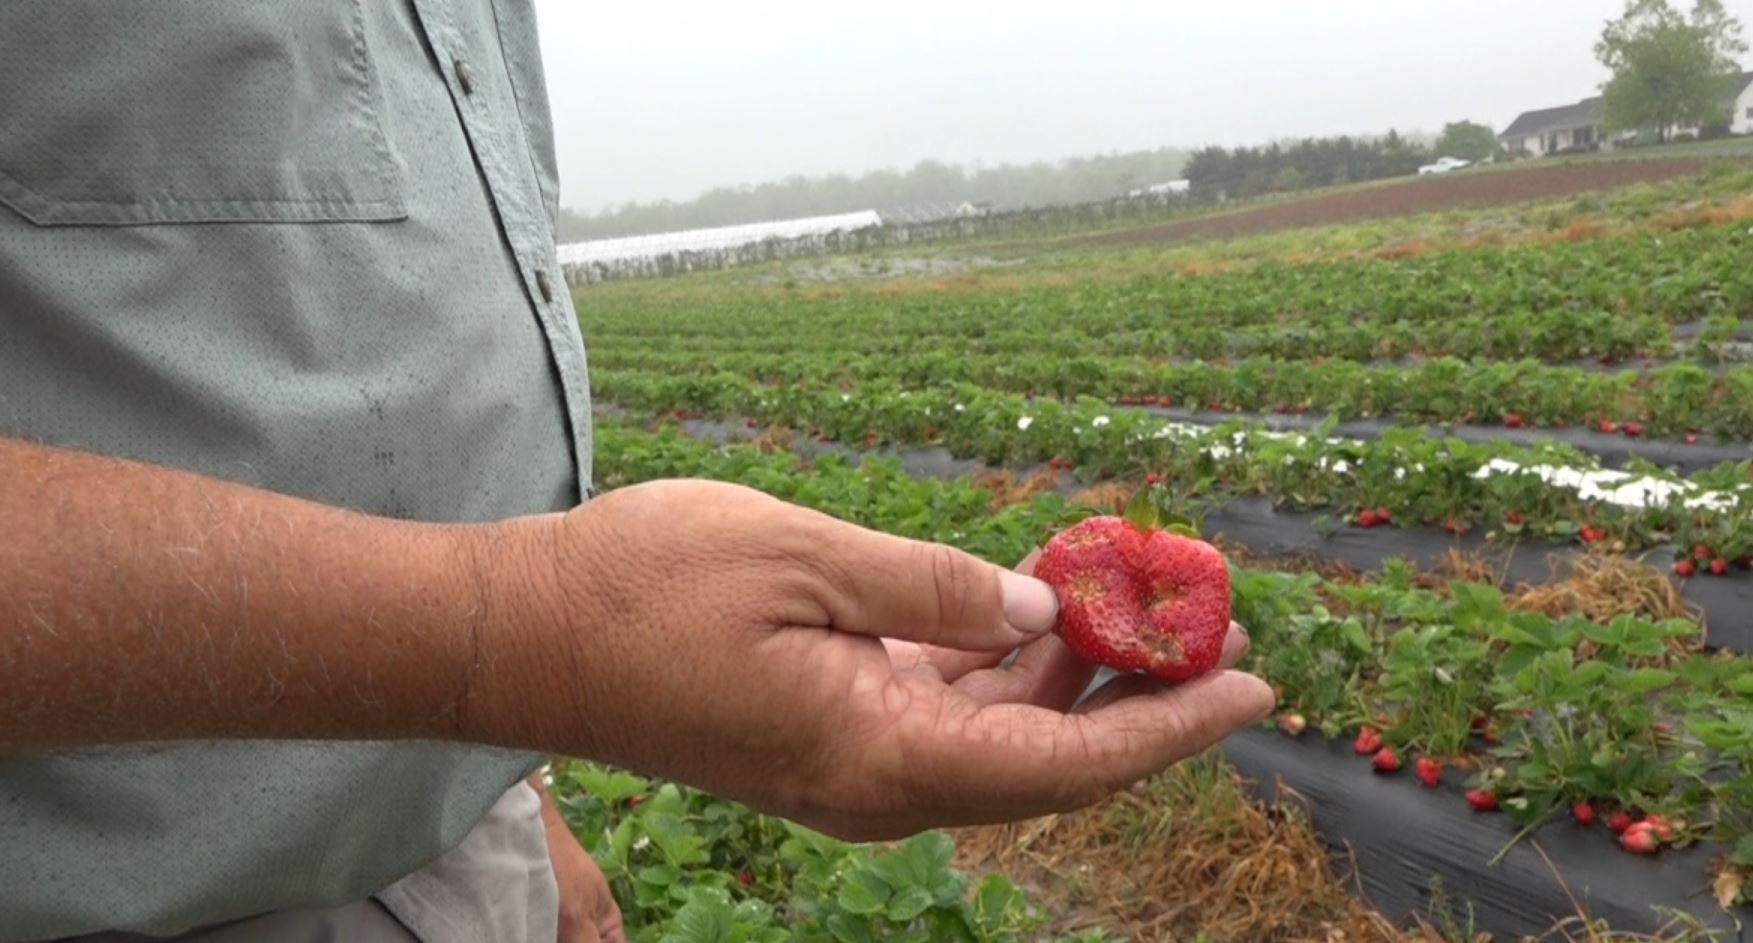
515	671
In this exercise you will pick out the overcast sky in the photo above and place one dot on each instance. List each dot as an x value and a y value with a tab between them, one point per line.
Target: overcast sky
663	98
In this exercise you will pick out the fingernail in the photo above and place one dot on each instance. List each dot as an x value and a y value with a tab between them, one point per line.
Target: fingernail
1029	604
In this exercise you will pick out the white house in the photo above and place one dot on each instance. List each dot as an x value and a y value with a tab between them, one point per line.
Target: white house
1742	120
1555	130
1578	127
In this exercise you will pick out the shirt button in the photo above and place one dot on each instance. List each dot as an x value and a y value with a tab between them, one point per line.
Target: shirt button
542	285
465	76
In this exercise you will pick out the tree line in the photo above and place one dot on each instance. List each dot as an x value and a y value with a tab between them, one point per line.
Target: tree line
1003	187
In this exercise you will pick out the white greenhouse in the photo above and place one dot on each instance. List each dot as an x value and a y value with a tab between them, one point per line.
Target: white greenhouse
631	248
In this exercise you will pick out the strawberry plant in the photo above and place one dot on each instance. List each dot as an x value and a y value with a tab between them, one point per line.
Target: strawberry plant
1619	715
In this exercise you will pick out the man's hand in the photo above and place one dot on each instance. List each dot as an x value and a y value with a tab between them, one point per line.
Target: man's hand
699	631
816	670
588	913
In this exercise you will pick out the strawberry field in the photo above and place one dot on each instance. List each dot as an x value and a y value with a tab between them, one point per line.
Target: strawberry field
1489	516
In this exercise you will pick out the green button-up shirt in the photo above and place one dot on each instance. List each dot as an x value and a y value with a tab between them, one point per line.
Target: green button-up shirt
306	245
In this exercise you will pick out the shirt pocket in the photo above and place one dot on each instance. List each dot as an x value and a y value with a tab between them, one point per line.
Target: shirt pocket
128	112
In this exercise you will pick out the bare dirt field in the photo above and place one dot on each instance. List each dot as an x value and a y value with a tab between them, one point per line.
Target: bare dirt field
1406	197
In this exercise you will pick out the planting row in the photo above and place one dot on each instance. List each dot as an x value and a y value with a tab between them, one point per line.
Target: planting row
1602	336
1401	478
1613	297
1682	401
689	867
1539	716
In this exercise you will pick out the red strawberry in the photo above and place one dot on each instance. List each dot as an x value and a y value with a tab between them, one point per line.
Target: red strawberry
745	878
1685	568
1632	429
1513	420
1454	526
1368	741
750	422
1583	813
1366	518
1702	552
1478	720
1386	760
634	800
1659	825
1281	408
1293	723
1383	517
1151	478
1690	438
1618	821
1640	839
1606	426
1164	402
1428	771
1482	800
1718	566
1139	599
1515	518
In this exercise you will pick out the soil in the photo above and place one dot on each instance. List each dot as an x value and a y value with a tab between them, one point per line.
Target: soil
1407	197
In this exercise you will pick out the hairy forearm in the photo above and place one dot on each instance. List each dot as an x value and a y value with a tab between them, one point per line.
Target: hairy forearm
139	603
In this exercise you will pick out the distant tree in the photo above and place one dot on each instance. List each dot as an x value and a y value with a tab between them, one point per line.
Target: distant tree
1668	69
1005	186
1466	140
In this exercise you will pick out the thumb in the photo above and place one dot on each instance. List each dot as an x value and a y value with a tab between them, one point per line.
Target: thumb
891	587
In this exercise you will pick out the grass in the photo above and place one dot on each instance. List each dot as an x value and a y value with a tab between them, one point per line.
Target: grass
1194	855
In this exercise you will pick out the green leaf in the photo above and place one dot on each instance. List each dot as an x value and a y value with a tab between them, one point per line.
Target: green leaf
860	899
907	905
660	875
1141	511
994	901
894	869
610	785
929	855
1644	680
702	919
850	929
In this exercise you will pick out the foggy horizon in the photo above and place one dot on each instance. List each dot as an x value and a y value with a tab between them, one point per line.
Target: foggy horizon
670	100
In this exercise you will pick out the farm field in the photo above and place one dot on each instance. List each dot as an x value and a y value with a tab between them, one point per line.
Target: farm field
1483	477
1486	186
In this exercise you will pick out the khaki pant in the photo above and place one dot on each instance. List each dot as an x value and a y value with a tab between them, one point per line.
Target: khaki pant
496	887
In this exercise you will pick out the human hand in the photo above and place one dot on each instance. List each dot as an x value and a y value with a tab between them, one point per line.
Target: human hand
588	912
812	669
